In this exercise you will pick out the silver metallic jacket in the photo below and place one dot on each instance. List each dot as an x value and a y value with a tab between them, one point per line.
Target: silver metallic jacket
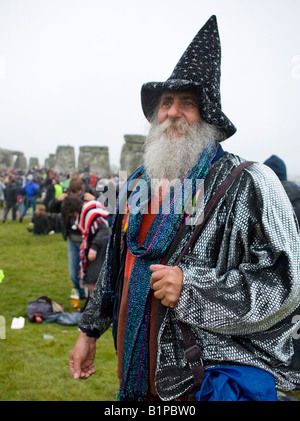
241	285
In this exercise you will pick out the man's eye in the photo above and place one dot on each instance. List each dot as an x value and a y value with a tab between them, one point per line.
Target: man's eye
189	104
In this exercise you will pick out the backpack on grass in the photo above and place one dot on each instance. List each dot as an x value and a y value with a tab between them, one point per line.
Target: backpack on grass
41	308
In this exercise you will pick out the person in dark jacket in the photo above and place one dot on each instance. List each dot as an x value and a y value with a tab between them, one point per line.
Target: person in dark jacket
291	189
50	192
68	229
11	194
41	225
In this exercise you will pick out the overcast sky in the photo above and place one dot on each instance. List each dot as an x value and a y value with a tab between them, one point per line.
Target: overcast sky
71	71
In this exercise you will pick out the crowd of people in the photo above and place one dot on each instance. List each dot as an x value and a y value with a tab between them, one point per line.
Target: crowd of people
23	192
66	204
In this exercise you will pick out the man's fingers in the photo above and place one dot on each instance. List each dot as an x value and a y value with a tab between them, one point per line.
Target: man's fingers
81	372
155	268
158	272
75	367
166	282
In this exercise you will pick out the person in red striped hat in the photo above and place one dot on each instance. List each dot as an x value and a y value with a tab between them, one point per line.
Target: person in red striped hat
91	220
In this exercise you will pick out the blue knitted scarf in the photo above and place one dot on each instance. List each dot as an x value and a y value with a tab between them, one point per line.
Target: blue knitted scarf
169	219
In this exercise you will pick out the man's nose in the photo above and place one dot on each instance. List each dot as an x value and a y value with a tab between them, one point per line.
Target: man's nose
174	111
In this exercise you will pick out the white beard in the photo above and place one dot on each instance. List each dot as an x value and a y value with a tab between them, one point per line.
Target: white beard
168	157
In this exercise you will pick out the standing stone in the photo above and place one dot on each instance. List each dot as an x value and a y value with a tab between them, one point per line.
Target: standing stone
132	152
6	159
20	162
65	159
33	162
50	161
96	158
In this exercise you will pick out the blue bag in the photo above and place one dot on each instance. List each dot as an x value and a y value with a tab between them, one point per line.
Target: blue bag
237	383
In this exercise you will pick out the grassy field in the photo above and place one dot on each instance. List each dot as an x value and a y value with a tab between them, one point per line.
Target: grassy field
33	368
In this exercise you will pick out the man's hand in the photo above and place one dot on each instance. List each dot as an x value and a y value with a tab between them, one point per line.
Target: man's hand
81	361
62	197
88	196
166	281
92	254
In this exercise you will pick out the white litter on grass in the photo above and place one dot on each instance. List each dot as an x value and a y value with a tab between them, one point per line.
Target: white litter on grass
48	337
18	323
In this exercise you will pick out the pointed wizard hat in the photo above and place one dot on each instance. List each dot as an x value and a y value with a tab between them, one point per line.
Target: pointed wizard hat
199	68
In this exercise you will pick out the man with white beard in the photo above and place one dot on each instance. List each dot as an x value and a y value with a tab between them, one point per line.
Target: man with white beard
176	137
213	319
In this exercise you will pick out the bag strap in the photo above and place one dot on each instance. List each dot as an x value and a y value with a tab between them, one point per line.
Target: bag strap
214	200
192	351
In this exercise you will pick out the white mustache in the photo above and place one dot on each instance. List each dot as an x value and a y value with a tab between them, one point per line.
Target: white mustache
175	126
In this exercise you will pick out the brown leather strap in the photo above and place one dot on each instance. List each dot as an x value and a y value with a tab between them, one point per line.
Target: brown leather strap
193	356
192	352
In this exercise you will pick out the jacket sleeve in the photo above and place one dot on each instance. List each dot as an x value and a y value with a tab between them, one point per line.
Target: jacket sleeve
243	275
92	322
54	206
99	242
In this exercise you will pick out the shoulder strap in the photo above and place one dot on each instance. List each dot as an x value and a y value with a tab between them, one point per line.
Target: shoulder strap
192	351
214	200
